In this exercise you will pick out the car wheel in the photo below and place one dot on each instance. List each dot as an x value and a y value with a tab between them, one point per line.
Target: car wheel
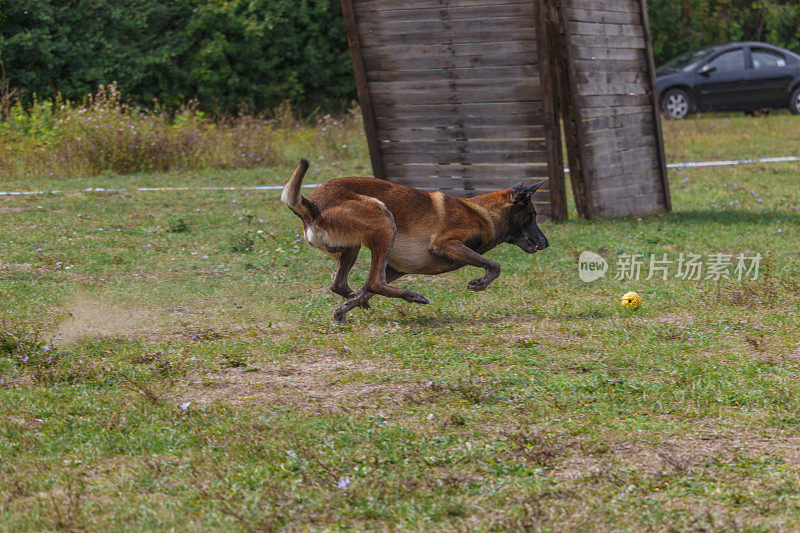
677	103
794	102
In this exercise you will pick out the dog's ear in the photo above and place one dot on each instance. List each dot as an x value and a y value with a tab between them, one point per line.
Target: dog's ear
522	195
535	187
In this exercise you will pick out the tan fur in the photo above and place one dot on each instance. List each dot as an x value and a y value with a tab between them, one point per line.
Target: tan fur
439	204
291	191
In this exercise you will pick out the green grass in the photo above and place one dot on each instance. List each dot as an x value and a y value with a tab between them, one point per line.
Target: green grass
539	403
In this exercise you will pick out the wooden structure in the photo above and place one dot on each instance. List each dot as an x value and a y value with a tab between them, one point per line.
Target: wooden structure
467	96
609	102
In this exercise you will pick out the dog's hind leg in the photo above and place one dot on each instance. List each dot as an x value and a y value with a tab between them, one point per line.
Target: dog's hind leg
374	225
380	241
346	261
347	258
362	297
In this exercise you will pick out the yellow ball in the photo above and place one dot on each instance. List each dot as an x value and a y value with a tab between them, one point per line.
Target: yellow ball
631	301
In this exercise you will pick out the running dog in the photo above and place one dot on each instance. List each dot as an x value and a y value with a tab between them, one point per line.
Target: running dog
409	231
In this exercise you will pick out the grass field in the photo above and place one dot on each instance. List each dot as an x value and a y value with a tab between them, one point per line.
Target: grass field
168	362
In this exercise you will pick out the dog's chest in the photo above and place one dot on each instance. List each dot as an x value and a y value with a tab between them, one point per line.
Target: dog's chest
411	255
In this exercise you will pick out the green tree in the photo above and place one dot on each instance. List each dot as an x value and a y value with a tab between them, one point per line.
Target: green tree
261	52
678	26
256	53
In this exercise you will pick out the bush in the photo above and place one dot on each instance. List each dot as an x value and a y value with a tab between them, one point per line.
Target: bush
106	135
251	53
110	135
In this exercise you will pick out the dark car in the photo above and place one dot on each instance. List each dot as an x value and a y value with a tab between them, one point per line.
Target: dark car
737	76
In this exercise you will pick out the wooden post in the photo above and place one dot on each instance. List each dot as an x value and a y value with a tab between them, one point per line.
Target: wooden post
662	158
555	161
362	87
570	109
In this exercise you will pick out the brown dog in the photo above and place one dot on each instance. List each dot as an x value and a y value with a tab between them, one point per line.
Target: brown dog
409	231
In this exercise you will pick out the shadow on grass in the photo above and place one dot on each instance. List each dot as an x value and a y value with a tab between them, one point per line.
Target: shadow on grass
734	216
429	321
702	216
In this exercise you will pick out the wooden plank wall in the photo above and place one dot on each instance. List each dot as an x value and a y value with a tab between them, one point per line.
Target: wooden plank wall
452	95
614	101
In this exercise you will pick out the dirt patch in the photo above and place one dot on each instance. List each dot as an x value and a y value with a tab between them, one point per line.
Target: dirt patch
319	383
16	268
530	331
17	229
674	319
674	455
10	209
91	318
94	318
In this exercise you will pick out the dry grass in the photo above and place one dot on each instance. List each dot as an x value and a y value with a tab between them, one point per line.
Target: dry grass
107	135
104	134
316	383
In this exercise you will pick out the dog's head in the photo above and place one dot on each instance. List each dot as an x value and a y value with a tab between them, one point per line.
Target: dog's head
523	230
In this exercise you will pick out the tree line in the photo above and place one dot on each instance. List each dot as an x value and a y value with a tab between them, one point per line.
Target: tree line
678	26
256	54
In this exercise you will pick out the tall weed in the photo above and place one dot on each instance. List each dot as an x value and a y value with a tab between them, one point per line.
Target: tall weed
107	135
9	97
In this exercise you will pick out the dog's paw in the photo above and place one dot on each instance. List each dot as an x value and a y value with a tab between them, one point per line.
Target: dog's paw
415	298
338	316
365	305
477	285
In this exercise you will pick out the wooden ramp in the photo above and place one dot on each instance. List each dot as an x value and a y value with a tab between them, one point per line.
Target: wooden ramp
610	95
452	96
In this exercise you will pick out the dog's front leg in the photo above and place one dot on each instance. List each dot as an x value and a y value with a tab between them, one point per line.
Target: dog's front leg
457	251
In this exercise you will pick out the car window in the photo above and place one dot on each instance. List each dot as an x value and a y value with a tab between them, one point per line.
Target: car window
686	61
763	58
729	61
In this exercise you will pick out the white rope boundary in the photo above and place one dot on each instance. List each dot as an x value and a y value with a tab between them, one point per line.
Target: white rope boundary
784	159
156	189
690	164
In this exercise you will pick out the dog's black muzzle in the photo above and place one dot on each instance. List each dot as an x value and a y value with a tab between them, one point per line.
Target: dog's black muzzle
531	245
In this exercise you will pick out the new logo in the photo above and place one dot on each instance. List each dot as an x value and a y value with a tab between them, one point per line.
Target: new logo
591	266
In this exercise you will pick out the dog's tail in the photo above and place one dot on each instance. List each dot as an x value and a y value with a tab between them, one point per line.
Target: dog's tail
291	193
